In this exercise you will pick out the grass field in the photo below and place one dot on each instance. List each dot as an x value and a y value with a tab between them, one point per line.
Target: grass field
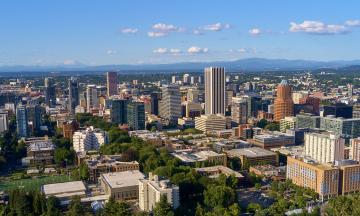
33	183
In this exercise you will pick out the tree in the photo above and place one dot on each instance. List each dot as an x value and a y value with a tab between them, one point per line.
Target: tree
52	206
253	207
219	196
83	172
113	208
63	156
262	123
75	208
257	186
163	208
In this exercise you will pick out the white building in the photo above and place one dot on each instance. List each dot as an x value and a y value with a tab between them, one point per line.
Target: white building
214	90
151	190
324	147
289	122
355	149
4	122
92	100
89	139
209	123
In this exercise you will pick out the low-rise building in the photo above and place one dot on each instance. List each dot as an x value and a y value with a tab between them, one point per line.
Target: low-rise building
208	123
122	185
40	151
289	122
64	191
215	171
207	158
254	156
152	189
274	140
267	170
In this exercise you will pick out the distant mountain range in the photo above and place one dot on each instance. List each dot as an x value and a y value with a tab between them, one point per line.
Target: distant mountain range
250	64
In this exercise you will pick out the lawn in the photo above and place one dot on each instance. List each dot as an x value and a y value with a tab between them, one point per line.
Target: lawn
33	183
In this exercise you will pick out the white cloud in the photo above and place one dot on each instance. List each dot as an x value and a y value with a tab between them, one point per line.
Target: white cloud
355	23
242	50
70	62
317	27
173	51
160	50
197	32
129	30
255	31
216	27
111	52
165	27
157	34
195	50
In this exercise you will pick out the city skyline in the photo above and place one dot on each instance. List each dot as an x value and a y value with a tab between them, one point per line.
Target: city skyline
135	32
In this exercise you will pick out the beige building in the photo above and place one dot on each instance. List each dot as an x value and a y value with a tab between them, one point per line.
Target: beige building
322	178
289	122
122	185
208	123
254	156
349	178
151	190
324	147
64	191
355	149
214	90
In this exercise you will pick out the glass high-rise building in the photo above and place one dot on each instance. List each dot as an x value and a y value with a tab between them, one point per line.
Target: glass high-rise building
119	111
50	93
73	94
21	121
136	115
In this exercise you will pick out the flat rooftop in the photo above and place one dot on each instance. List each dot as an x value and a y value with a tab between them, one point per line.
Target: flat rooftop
222	169
67	188
123	179
252	152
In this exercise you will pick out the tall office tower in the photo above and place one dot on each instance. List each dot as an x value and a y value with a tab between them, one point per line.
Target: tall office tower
21	121
192	80
173	79
118	111
34	113
136	115
239	113
92	100
186	78
214	90
4	121
249	87
324	147
200	79
170	104
154	103
112	81
284	105
254	104
229	94
50	94
73	94
193	95
355	149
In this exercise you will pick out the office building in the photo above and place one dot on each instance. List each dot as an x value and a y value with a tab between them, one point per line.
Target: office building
64	191
204	158
253	156
214	90
4	122
254	102
338	110
186	78
355	149
118	110
283	104
210	123
22	121
274	140
154	103
170	104
92	99
239	111
192	110
289	122
135	112
322	178
307	120
111	83
69	128
74	100
122	186
324	147
312	103
346	128
192	95
349	176
152	189
39	152
89	139
34	115
50	93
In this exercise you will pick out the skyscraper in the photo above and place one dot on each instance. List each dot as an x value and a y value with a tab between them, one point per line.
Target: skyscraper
21	121
73	94
284	105
112	81
50	94
170	104
34	113
155	103
214	90
136	115
92	100
239	111
118	111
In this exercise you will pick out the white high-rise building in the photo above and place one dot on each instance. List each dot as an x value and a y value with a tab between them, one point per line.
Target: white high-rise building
173	79
192	95
170	104
214	90
151	190
89	139
4	121
186	78
92	100
324	147
239	110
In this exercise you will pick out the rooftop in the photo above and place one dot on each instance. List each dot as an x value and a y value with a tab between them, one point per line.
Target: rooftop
122	179
250	152
67	188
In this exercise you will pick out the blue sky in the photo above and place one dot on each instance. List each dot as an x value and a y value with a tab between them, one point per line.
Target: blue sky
94	32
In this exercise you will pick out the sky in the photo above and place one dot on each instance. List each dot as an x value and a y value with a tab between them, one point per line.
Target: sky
102	32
